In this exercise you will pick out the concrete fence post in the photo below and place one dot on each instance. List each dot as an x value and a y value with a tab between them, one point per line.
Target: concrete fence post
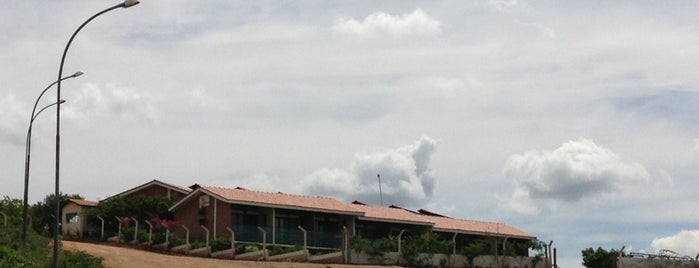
150	232
232	237
119	229
135	233
207	234
187	234
305	237
102	229
264	241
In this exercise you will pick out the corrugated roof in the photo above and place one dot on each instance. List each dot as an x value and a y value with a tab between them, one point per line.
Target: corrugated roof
83	203
280	200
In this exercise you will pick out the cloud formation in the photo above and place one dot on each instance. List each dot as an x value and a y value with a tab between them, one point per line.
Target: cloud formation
576	170
11	120
93	100
380	23
685	243
406	177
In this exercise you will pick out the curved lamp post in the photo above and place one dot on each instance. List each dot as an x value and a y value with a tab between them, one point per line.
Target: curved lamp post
125	4
28	152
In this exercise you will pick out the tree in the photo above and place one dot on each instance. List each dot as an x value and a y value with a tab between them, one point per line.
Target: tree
600	258
141	207
42	213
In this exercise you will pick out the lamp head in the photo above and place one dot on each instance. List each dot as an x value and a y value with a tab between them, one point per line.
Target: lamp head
130	3
78	73
62	102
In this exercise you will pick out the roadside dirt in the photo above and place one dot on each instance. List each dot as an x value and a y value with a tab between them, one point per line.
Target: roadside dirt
124	257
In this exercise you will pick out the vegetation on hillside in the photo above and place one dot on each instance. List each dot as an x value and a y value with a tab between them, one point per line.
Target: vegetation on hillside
37	251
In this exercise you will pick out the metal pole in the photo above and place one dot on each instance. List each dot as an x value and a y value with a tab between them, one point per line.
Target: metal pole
127	3
380	193
25	205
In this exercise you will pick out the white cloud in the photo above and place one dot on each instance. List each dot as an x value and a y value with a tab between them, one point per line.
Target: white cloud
503	4
255	33
379	23
685	243
576	170
10	121
93	100
406	177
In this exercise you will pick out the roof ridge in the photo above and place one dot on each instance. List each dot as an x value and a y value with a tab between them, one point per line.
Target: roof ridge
238	188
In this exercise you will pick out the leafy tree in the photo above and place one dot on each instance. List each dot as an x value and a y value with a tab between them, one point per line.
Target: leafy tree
600	258
12	208
43	212
140	207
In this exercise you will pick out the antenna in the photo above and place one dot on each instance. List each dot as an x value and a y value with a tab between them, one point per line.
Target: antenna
380	193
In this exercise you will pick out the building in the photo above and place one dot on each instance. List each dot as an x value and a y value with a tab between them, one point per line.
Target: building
74	220
288	219
156	188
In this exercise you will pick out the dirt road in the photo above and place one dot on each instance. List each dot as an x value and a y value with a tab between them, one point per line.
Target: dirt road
121	257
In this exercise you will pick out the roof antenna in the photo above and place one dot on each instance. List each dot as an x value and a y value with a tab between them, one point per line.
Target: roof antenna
380	193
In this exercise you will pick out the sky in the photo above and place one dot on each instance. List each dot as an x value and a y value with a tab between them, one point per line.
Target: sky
572	120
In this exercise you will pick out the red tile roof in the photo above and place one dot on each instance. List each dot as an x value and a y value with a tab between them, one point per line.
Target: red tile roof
181	189
83	203
390	214
279	200
446	224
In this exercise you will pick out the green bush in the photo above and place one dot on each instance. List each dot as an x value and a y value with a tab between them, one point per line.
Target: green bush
175	241
219	244
376	247
79	259
276	250
36	252
246	247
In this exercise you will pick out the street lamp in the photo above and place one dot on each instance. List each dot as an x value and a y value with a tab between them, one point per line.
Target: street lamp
28	152
125	4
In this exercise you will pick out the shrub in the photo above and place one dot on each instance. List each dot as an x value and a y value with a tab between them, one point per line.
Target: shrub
175	241
80	259
276	250
219	244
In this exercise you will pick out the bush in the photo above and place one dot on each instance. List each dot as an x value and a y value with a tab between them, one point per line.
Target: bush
376	247
79	259
276	250
219	244
36	252
175	241
246	247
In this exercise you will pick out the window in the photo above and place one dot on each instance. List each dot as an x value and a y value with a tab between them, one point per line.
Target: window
71	217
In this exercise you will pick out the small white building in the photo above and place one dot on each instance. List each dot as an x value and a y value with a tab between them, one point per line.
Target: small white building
74	220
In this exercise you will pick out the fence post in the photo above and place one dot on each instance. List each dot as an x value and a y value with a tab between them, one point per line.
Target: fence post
119	229
150	232
135	233
305	237
232	237
264	241
207	234
346	250
101	230
187	236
